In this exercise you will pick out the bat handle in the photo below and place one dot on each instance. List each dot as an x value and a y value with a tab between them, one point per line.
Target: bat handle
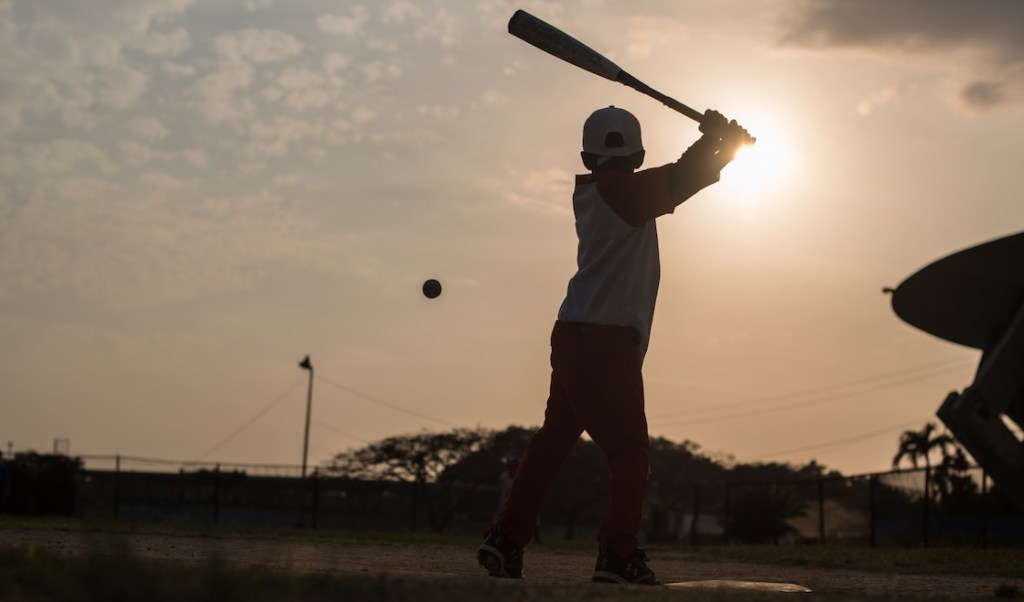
628	80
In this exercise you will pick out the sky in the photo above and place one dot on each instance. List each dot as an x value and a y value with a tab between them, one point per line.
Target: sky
196	194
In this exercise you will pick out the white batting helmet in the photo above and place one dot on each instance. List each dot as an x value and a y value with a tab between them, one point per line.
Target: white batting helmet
612	132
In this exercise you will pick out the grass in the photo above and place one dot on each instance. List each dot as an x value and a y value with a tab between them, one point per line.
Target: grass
30	574
995	562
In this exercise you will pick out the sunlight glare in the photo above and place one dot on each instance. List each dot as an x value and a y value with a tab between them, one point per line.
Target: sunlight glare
763	170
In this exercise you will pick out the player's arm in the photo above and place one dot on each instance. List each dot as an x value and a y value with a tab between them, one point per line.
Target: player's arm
645	195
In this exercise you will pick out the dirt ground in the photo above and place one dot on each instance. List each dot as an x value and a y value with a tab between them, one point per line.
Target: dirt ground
446	561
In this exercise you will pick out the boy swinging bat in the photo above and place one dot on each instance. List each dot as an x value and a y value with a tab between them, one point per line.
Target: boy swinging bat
603	327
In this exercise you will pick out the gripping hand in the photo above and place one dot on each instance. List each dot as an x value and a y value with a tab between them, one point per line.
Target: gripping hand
722	138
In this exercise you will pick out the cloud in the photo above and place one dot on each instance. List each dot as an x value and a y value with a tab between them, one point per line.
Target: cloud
443	27
336	62
978	46
880	98
92	239
161	183
178	70
275	138
546	191
400	12
983	94
493	98
305	89
258	46
136	154
363	115
196	158
121	88
141	16
149	128
10	118
64	156
216	92
344	25
237	54
76	117
164	44
643	33
375	71
443	112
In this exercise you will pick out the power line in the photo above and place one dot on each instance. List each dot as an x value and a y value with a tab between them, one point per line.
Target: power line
386	404
814	401
943	366
340	432
840	442
249	422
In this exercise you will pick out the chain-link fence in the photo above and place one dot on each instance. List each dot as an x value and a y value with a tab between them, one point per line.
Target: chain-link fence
925	506
920	507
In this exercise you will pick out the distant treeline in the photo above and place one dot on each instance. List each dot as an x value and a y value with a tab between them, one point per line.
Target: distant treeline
447	481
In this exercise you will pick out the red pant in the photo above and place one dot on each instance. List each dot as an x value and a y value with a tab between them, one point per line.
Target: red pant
596	386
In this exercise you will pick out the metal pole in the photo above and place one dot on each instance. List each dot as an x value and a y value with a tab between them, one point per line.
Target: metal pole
872	509
696	515
117	485
728	513
926	507
307	365
821	511
316	495
216	494
984	510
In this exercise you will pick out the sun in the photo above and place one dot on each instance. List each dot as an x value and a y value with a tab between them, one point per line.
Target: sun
763	169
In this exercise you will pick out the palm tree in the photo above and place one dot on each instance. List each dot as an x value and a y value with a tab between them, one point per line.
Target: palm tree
916	445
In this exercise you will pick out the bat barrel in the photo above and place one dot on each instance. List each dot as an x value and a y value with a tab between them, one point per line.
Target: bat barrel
556	42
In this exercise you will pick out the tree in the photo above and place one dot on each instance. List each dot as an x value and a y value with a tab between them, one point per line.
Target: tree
765	497
919	445
581	485
421	459
487	462
43	484
950	483
760	513
679	475
956	490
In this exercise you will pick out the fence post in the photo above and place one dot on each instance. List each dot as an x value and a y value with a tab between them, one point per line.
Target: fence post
216	494
316	495
696	515
872	509
821	510
728	512
415	504
927	503
117	486
985	509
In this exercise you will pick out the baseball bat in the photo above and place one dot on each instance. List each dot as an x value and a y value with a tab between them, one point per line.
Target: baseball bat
557	43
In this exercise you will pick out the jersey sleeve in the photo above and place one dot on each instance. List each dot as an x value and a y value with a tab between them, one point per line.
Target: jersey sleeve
639	197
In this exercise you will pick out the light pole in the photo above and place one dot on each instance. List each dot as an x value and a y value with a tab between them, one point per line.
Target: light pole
305	364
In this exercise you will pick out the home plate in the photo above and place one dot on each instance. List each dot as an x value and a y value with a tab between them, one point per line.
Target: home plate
760	586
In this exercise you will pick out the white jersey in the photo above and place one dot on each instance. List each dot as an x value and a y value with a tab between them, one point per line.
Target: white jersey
618	264
618	268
